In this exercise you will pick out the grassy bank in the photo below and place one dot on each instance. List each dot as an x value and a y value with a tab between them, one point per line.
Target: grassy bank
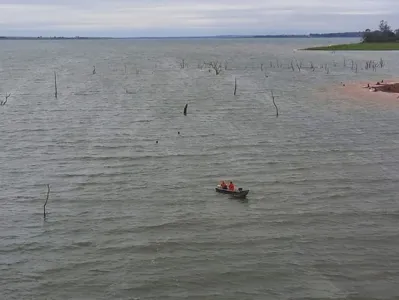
359	47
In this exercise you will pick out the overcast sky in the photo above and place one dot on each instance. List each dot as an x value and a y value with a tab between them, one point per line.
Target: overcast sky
129	18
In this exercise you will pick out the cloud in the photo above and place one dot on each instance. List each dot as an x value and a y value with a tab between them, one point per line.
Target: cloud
205	17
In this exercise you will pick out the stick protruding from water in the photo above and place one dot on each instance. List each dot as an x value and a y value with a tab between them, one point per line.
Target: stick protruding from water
235	86
2	103
182	64
44	206
55	85
274	103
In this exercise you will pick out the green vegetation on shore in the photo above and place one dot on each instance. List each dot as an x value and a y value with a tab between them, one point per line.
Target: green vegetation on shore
359	47
383	39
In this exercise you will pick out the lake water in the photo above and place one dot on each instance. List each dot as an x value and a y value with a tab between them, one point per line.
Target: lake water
132	219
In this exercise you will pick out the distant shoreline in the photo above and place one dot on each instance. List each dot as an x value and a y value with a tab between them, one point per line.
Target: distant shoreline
312	35
393	46
52	38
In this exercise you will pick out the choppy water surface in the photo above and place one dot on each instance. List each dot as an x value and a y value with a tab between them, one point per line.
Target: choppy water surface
132	219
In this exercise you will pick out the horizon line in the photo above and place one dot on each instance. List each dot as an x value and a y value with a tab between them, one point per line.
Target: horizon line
182	37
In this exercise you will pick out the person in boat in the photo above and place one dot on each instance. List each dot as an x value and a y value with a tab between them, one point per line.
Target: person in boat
223	185
231	187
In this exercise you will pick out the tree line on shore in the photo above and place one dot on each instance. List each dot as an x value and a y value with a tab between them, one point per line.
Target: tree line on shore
384	34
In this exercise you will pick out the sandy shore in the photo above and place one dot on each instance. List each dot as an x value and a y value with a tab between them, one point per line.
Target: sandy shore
386	90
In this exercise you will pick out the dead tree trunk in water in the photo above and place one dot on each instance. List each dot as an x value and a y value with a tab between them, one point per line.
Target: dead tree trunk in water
298	65
274	104
292	67
312	66
217	66
55	85
94	70
44	207
277	63
2	103
185	110
235	86
182	64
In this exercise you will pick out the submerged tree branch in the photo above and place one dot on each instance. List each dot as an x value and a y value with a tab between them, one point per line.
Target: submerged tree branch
182	64
274	103
2	103
215	65
235	86
55	85
44	207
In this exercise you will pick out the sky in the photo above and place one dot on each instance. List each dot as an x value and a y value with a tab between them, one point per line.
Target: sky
135	18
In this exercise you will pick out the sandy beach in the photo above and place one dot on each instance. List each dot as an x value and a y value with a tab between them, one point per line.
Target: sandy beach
386	90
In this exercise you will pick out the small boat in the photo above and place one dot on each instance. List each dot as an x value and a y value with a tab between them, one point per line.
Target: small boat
240	193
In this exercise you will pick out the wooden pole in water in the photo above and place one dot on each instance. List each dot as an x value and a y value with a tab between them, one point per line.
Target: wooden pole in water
274	103
235	86
44	207
185	110
55	85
